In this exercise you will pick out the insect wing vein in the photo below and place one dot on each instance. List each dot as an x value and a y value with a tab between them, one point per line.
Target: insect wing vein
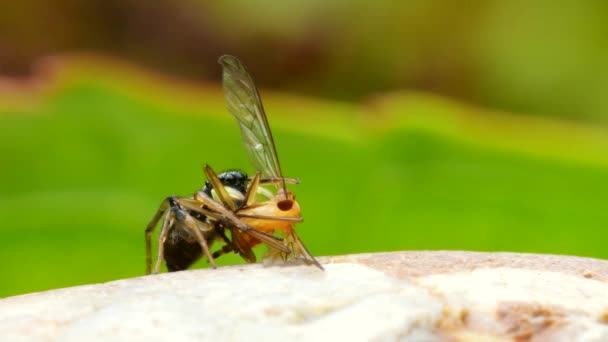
244	103
259	152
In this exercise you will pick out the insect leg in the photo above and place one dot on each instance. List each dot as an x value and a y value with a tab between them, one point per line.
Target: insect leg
301	250
297	251
295	245
150	228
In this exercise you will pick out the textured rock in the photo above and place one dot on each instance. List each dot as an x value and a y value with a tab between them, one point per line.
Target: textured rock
414	296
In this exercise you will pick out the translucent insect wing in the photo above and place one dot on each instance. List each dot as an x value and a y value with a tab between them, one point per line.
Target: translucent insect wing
243	101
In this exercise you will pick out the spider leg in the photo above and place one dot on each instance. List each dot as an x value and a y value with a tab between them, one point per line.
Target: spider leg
150	229
237	246
219	212
273	218
187	222
279	180
252	188
228	207
195	227
167	222
227	248
219	188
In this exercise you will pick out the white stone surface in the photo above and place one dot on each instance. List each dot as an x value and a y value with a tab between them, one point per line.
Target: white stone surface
411	296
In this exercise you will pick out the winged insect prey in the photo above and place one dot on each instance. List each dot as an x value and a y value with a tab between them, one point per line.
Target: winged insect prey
280	210
192	224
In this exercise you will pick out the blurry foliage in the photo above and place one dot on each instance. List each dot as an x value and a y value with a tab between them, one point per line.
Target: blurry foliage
86	165
537	57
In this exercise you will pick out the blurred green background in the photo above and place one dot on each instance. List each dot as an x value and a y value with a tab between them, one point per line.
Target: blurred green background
419	125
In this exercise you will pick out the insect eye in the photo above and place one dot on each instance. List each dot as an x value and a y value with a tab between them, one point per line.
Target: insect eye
285	205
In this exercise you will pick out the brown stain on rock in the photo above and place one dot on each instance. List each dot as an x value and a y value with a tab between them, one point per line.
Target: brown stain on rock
519	322
526	322
452	324
452	321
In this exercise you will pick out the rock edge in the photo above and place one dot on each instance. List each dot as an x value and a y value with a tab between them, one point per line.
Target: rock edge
412	296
